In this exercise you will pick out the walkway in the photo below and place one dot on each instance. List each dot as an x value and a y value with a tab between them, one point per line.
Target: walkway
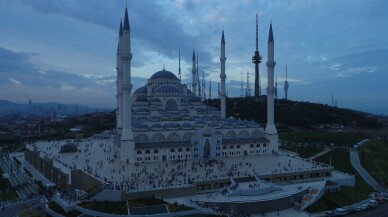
327	149
355	161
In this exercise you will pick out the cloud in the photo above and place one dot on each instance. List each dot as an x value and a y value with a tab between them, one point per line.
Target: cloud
19	73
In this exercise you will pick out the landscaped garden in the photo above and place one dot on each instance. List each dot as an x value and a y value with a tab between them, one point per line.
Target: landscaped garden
373	157
347	139
340	159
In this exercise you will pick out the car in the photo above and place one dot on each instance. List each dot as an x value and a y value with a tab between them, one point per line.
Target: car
373	203
330	214
361	207
341	212
358	208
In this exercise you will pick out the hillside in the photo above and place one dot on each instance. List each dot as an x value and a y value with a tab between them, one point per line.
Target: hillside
297	114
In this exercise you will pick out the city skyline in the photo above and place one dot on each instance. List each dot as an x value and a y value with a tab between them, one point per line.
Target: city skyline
65	51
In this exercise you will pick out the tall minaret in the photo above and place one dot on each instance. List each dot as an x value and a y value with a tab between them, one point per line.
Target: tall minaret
223	77
210	89
119	83
248	88
276	87
256	59
179	70
193	72
286	86
127	152
197	78
270	129
203	87
242	86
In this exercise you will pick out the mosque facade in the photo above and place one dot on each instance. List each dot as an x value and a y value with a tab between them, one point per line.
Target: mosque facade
164	120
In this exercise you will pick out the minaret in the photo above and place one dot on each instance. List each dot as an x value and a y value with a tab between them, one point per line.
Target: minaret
256	59
242	86
119	82
286	86
127	152
210	89
223	77
197	79
270	129
193	71
203	87
248	88
179	69
276	87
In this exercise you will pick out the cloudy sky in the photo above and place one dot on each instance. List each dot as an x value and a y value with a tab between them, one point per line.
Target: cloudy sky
64	51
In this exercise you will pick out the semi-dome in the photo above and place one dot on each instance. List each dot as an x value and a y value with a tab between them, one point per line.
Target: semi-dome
164	74
167	88
141	90
141	99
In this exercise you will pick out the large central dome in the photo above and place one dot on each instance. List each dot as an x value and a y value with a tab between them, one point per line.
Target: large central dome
164	74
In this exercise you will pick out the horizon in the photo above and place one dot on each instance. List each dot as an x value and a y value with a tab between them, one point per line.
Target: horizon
65	52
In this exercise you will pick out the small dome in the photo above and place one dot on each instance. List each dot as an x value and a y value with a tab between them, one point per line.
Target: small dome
141	99
138	126
167	88
157	126
141	90
164	74
186	126
171	126
155	100
142	110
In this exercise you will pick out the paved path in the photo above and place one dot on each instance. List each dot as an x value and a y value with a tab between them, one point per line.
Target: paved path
327	149
355	161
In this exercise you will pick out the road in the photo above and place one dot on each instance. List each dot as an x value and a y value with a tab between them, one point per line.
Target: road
379	211
355	161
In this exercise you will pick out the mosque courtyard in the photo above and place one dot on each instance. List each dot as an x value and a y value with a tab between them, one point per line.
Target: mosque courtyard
98	156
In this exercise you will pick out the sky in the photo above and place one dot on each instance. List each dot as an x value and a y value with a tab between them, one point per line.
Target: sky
65	51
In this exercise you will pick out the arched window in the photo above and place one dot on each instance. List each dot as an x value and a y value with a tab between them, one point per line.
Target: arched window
172	150
257	145
174	137
139	152
264	145
188	149
156	151
147	151
171	105
179	149
231	147
238	146
158	137
251	146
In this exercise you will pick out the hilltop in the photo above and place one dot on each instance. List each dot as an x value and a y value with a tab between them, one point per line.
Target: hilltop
298	114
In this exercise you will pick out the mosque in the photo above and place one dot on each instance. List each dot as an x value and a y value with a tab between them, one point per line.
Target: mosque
169	143
165	120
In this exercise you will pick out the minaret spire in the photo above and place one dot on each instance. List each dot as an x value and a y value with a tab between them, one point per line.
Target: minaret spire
242	86
126	20
210	88
256	59
270	129
223	77
248	88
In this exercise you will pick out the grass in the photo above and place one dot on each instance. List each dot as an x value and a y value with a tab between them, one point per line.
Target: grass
107	207
340	159
4	184
373	157
346	139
